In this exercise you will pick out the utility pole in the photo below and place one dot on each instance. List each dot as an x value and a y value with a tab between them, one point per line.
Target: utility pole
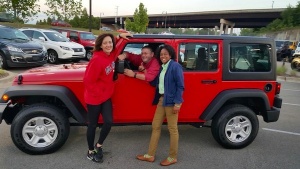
165	18
90	19
101	13
116	18
272	4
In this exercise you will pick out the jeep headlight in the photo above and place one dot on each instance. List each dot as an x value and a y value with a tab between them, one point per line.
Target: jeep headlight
66	48
14	49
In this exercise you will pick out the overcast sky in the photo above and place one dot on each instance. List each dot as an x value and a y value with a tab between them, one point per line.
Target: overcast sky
127	7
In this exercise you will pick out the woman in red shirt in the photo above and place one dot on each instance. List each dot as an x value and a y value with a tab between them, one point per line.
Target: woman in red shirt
98	90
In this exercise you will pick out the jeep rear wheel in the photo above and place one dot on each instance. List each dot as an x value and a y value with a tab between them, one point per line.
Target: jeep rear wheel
40	129
235	126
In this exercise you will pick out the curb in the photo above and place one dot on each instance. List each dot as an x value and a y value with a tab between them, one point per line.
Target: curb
288	79
8	78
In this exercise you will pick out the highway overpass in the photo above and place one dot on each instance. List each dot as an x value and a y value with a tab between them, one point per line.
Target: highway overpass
247	18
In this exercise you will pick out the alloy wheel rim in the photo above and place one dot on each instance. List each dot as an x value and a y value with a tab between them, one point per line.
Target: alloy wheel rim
51	57
40	132
1	62
89	55
238	129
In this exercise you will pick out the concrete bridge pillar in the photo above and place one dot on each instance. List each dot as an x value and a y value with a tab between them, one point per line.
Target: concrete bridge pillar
227	24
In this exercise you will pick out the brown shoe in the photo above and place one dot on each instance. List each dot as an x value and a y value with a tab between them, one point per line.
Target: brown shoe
145	157
168	161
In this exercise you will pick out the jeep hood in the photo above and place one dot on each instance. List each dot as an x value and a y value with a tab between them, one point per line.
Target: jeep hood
52	74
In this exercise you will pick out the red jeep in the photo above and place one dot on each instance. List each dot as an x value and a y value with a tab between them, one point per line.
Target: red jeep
229	81
86	39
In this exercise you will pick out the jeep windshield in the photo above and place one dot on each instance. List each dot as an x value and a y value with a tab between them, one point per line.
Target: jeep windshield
56	37
12	34
87	36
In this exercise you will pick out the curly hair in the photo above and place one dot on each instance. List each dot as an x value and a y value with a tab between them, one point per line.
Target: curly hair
170	50
100	39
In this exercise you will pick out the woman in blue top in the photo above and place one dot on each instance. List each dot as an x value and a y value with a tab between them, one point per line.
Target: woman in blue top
168	98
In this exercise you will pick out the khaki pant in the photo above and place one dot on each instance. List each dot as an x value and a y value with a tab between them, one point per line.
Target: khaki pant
160	114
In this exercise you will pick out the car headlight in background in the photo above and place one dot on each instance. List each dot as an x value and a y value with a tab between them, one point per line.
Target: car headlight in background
44	49
14	49
66	48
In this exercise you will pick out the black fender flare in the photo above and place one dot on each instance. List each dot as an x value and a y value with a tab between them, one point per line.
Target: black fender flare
61	92
224	96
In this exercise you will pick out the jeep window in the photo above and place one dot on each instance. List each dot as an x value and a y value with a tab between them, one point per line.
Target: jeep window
37	34
136	48
198	56
56	37
87	36
250	57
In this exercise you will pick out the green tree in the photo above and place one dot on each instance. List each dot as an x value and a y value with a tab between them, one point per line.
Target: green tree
140	20
64	9
247	32
22	10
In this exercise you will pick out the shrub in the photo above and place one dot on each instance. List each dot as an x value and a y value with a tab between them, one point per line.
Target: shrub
281	70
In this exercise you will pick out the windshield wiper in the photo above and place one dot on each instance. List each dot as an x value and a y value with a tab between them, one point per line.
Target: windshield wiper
21	38
6	38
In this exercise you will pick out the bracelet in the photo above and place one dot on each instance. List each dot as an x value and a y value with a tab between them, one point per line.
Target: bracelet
134	75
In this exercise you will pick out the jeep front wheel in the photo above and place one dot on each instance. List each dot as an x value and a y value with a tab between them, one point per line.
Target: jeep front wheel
40	129
235	126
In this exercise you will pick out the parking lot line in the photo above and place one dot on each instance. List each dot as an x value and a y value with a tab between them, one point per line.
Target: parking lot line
291	104
280	131
291	90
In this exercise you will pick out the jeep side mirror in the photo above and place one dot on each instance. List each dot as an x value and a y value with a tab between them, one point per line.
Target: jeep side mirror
42	38
120	66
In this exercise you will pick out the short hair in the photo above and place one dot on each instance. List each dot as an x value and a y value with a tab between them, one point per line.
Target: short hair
148	47
100	39
170	50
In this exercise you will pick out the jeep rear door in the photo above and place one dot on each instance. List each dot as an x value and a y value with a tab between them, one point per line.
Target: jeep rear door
200	60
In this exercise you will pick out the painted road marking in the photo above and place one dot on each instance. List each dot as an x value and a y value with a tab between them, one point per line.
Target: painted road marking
291	104
280	131
291	90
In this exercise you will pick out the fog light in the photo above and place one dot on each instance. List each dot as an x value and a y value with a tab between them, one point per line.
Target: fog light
5	97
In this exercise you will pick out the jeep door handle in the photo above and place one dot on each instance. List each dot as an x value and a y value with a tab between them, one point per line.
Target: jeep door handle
208	81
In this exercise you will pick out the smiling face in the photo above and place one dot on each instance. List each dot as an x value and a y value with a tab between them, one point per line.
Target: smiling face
107	45
164	56
147	55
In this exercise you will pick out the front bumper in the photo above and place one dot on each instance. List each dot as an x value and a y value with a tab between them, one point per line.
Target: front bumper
66	54
2	109
18	59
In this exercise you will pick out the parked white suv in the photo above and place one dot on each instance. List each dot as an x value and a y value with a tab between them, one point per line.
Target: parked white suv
57	45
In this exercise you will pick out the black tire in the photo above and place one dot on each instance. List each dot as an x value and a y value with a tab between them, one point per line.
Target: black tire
24	129
89	55
3	62
52	57
242	136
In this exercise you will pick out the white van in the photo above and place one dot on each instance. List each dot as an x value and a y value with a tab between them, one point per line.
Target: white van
57	45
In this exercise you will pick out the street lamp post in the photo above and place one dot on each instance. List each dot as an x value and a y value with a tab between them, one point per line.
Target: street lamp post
101	13
165	18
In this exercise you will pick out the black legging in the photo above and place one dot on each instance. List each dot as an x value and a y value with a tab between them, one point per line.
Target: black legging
93	114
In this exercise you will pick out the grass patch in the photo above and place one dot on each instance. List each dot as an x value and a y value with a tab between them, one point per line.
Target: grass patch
293	73
281	70
20	25
3	73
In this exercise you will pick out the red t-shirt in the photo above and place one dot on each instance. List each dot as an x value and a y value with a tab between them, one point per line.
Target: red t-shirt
98	78
152	67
